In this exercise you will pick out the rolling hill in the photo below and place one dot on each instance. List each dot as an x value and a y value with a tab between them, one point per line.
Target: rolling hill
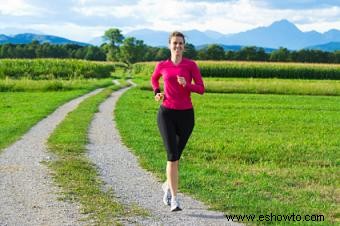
29	37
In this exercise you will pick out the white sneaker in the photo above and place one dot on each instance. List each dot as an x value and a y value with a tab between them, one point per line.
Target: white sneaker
175	206
167	194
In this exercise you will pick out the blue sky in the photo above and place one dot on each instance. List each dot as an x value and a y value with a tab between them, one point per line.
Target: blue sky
84	19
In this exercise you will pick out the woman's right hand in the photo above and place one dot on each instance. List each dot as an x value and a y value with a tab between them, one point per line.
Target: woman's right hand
159	96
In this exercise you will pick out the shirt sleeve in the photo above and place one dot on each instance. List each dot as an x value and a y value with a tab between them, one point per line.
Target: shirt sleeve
155	79
198	85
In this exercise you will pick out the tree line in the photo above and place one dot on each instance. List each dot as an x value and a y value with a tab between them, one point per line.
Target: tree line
131	50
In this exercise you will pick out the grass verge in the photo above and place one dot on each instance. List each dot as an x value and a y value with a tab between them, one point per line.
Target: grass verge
76	174
26	101
28	85
266	86
249	154
19	111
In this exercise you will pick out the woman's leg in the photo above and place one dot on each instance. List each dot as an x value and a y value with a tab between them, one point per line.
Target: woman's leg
175	128
184	128
167	130
172	176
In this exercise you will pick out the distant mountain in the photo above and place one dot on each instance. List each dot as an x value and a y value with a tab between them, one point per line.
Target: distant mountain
3	38
279	34
150	37
198	37
214	34
225	47
234	48
29	37
14	30
329	47
273	36
160	38
332	35
97	41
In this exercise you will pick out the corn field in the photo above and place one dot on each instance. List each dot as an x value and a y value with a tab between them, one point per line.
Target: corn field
238	69
54	68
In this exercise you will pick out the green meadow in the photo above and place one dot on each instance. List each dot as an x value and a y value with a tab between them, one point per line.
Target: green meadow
26	102
259	77
32	89
19	111
263	145
249	153
265	86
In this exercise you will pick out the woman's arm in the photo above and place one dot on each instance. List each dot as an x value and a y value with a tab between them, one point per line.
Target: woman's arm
155	79
198	86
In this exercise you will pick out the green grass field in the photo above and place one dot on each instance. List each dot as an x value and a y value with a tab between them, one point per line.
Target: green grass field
27	101
273	86
19	111
265	86
29	85
248	154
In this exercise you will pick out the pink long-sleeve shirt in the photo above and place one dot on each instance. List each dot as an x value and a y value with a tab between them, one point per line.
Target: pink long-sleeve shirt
175	95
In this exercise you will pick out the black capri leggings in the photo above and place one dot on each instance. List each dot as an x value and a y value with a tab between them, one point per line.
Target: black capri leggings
175	127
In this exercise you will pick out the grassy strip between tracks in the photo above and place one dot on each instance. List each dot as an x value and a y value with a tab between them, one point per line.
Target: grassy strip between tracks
76	174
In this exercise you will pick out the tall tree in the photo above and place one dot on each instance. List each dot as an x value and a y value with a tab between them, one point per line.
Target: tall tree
212	52
94	53
132	50
248	53
337	56
114	38
282	54
162	54
190	51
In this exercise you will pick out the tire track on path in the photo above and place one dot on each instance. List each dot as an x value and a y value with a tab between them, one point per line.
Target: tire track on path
120	170
27	193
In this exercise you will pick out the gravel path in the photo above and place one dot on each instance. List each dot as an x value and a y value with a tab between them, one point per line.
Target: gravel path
121	171
27	193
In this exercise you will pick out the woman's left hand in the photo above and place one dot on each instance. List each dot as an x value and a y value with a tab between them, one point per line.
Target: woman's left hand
181	80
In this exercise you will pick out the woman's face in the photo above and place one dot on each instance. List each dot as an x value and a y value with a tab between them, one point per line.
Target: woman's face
176	46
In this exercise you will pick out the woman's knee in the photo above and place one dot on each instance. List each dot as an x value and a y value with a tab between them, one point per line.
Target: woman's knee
173	164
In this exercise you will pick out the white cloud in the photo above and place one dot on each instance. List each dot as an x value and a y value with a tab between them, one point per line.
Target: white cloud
320	20
223	16
320	26
81	19
18	8
175	14
71	31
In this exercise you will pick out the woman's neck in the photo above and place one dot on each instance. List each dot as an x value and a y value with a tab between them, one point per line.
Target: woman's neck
176	59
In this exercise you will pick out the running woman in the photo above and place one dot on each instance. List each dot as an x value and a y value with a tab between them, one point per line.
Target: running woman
176	115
